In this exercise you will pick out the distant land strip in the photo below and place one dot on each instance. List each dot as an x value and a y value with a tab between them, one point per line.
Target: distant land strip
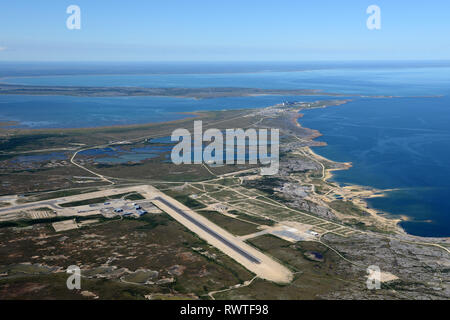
196	93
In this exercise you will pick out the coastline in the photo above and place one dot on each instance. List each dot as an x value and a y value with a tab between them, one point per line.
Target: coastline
6	124
168	92
356	194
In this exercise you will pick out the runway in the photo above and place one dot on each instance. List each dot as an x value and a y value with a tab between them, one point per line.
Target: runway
242	252
251	258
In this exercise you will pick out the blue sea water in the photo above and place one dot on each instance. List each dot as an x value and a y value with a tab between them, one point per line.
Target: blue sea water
398	143
401	142
80	112
118	155
41	157
423	80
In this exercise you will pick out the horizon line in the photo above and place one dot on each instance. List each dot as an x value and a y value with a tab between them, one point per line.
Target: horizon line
225	61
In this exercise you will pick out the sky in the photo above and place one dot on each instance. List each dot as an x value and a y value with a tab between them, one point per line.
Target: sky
225	30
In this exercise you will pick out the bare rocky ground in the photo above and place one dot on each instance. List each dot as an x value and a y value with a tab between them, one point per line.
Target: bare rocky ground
295	193
314	208
423	271
119	259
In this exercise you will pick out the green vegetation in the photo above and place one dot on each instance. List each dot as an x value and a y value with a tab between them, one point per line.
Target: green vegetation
312	278
23	223
96	200
134	196
227	195
198	93
227	181
56	194
347	207
265	184
140	277
151	222
154	242
26	223
186	200
234	226
23	142
52	286
258	220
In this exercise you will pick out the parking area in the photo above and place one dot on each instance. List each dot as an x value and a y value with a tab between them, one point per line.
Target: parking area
121	207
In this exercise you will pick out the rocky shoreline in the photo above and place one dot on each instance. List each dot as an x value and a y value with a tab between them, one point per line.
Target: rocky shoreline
355	193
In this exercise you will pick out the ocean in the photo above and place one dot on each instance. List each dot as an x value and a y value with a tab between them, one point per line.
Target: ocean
39	112
398	143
